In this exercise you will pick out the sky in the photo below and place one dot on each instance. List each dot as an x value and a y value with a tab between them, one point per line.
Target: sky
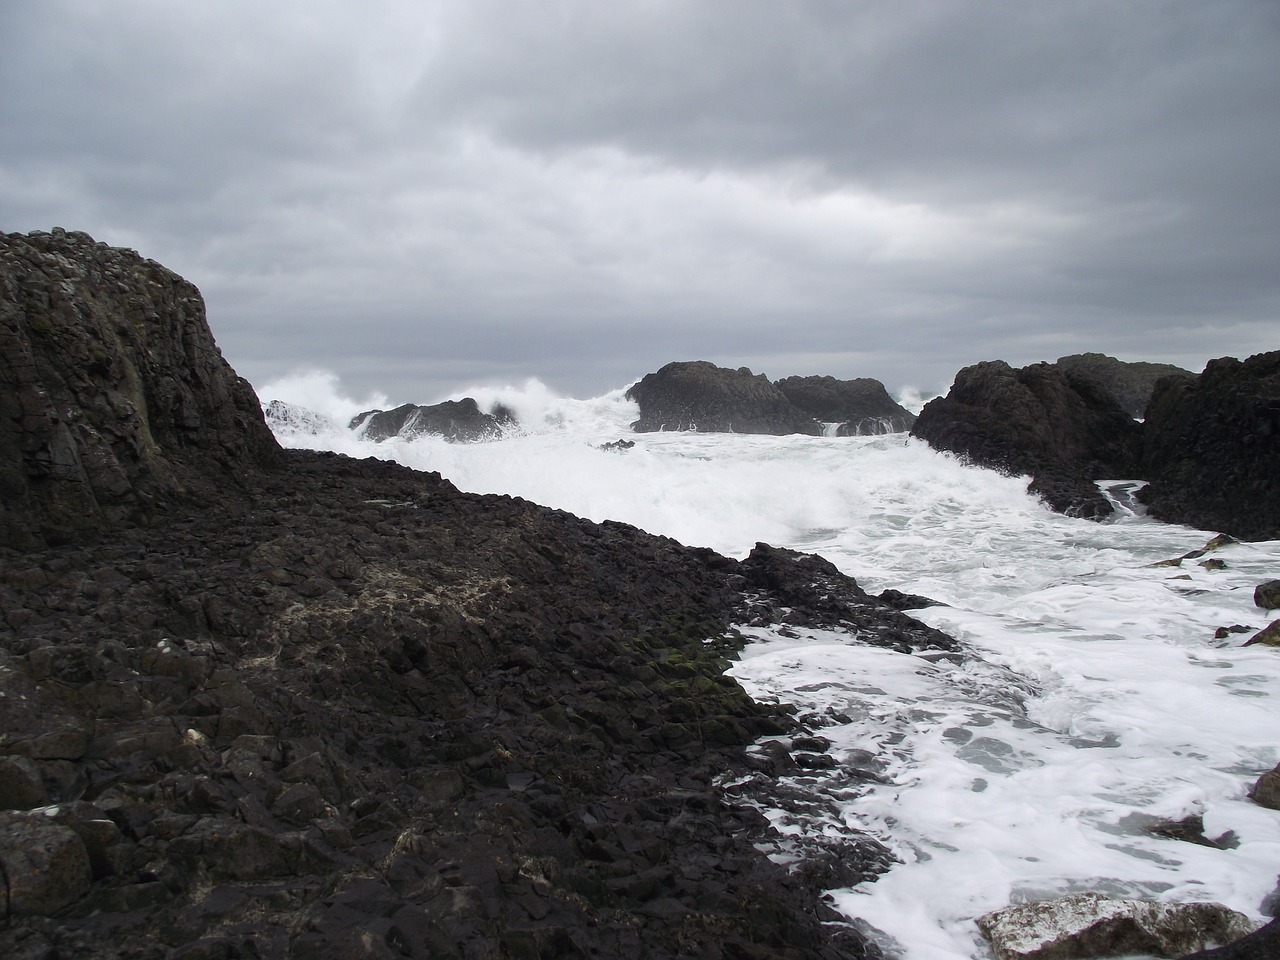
419	197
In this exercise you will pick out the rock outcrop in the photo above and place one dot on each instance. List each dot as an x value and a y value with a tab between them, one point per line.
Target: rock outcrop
337	708
1129	383
459	421
861	406
114	398
1063	431
1211	448
286	419
697	395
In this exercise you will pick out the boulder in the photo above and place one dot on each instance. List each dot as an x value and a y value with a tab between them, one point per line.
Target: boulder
1087	925
697	395
1063	431
1129	384
858	407
1267	595
45	864
459	421
1268	636
113	394
1211	448
1266	792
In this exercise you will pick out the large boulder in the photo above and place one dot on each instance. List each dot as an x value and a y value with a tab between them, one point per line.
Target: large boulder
113	395
460	421
860	406
1211	448
1063	431
1129	383
697	395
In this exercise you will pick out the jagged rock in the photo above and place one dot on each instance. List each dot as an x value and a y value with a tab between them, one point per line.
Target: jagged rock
1266	792
1262	944
460	421
1130	384
45	864
697	395
1267	595
1063	431
21	784
1268	635
113	396
288	419
861	406
1090	925
1211	448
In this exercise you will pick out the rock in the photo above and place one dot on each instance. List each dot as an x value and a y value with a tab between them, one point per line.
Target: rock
697	395
1211	448
1262	944
113	396
21	784
1063	431
1090	925
858	407
46	866
1267	595
1266	792
1129	384
618	445
1268	635
459	421
286	419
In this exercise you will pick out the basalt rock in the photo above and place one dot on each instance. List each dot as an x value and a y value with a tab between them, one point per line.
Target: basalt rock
1211	448
114	399
1063	431
1130	384
859	407
697	395
459	421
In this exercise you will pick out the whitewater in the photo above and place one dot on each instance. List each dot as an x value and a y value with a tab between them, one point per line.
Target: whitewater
1097	700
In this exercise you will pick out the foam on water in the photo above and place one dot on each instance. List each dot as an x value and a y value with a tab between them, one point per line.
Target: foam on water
1096	702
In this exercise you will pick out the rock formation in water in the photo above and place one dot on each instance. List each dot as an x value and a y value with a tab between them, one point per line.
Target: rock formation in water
316	706
697	395
860	406
287	418
114	399
1063	431
1211	448
1129	383
459	421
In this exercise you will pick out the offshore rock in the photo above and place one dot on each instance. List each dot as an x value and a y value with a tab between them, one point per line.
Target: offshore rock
1267	595
1266	792
1130	384
861	406
697	395
114	398
1211	448
1090	925
459	421
1063	431
290	419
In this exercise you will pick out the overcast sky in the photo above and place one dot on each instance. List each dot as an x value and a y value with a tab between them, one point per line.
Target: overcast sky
421	196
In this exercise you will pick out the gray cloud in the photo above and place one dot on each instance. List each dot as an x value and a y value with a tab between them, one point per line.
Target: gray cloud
424	196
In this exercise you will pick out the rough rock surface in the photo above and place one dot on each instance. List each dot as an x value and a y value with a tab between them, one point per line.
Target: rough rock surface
1262	944
1212	448
460	421
114	399
1063	431
860	406
697	395
1267	595
1089	925
1266	792
340	709
287	418
1130	384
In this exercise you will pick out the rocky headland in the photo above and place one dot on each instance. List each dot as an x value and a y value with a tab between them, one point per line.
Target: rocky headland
698	395
266	703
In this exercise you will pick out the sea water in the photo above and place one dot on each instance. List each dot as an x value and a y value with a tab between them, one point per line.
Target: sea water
1095	702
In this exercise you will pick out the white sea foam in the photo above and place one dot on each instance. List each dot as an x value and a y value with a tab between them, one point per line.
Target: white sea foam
1098	699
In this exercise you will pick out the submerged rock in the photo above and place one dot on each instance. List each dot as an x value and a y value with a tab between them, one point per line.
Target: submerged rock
1088	925
1266	792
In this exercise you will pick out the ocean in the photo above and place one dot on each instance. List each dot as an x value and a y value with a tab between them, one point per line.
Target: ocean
1095	703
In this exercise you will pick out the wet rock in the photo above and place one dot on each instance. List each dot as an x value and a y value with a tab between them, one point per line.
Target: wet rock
1262	944
858	407
1268	635
1090	925
459	421
697	395
1266	791
1267	595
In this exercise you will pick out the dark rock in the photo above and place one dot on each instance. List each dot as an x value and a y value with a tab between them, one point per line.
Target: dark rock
459	421
1211	448
1063	431
1268	635
45	864
697	395
1266	792
1129	384
1267	595
21	784
1262	944
113	396
618	445
861	406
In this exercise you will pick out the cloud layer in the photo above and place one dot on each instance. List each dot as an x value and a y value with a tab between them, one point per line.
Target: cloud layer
425	196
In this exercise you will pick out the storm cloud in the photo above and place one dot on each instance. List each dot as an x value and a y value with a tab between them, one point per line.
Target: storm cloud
423	196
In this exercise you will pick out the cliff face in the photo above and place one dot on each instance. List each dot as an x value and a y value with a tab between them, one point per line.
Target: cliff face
113	394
